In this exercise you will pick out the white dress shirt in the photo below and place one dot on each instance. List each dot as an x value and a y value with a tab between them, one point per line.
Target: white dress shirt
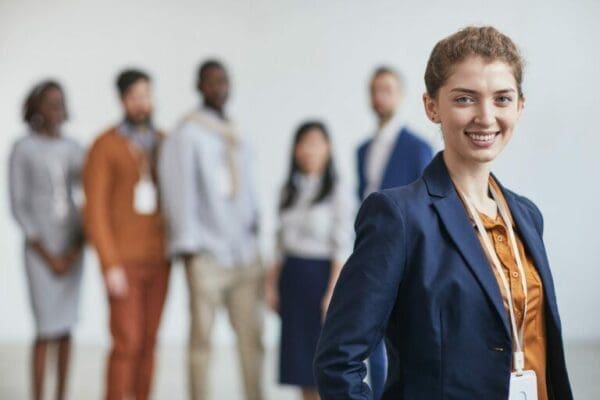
379	152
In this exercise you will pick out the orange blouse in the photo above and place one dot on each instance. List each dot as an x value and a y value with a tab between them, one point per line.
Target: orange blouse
534	332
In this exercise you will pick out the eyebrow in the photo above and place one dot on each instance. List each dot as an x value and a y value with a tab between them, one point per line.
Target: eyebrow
471	91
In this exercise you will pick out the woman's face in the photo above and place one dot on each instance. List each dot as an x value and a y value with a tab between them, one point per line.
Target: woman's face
312	152
52	108
477	107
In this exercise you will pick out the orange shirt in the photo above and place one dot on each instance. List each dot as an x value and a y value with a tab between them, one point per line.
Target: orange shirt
534	333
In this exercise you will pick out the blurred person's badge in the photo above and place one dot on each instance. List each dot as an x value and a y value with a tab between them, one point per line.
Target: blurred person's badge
145	196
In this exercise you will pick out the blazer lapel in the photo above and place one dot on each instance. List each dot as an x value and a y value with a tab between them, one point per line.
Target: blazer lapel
458	225
392	165
534	246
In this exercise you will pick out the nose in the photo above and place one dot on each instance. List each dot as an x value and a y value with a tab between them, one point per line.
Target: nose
485	114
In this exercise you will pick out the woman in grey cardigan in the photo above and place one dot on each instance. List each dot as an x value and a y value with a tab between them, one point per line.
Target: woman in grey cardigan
44	172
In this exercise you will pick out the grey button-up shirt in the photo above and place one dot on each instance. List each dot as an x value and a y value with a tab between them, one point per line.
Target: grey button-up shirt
195	186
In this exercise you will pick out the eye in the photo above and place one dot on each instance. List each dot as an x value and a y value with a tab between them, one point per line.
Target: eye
464	100
504	99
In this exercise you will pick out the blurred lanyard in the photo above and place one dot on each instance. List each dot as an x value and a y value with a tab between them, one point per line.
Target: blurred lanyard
518	357
144	193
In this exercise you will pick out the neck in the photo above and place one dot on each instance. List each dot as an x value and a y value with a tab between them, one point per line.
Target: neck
471	178
385	119
50	131
138	125
218	110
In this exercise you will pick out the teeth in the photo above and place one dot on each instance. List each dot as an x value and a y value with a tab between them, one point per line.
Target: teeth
481	137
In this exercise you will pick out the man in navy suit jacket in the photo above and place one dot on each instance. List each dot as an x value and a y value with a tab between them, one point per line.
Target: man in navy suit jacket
419	276
394	157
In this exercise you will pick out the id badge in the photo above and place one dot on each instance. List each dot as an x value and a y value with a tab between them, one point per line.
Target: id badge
144	197
523	387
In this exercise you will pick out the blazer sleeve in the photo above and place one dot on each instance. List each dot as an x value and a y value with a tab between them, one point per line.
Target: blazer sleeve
362	301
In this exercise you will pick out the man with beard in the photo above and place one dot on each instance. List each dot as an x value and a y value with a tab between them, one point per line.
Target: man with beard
208	197
125	226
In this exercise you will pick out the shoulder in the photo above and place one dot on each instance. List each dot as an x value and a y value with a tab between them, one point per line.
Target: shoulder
409	195
530	207
402	199
105	142
72	143
106	137
342	191
22	144
410	136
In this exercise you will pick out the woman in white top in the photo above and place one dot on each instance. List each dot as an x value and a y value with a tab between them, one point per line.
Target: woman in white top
313	240
44	172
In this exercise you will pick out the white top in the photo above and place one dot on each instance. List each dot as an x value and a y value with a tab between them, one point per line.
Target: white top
380	150
322	230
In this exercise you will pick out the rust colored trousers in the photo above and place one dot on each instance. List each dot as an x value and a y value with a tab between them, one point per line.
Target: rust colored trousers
134	322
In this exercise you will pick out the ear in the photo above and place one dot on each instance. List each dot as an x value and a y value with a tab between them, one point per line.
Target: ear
521	105
431	108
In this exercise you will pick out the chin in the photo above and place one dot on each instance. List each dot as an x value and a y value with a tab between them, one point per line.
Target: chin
484	156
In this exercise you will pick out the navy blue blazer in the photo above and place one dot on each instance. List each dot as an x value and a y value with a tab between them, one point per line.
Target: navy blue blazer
407	161
419	277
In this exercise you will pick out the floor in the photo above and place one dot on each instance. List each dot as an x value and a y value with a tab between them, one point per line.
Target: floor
87	372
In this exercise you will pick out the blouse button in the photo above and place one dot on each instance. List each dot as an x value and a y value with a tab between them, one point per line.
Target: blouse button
500	238
515	274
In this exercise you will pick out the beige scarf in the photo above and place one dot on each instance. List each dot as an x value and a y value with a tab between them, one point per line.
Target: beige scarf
229	133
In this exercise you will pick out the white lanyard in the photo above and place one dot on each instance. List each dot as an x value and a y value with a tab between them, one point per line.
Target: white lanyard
519	359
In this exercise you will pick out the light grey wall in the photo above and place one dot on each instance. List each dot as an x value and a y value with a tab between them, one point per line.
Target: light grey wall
296	59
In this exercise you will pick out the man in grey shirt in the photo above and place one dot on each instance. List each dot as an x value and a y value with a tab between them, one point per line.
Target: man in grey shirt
209	204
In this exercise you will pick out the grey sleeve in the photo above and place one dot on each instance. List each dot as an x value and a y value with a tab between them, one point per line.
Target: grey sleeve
76	162
19	187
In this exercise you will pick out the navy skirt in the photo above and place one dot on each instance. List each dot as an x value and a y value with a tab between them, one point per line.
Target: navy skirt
302	285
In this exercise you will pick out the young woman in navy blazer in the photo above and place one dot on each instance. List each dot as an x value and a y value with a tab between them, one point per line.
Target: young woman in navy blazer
419	275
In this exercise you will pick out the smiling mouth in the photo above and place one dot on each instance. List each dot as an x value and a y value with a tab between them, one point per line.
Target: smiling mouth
482	137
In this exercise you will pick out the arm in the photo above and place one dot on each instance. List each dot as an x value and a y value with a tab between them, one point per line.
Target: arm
177	169
19	185
272	276
97	183
362	301
342	235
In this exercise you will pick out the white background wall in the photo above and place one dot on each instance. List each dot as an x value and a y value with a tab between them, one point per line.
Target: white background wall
296	59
